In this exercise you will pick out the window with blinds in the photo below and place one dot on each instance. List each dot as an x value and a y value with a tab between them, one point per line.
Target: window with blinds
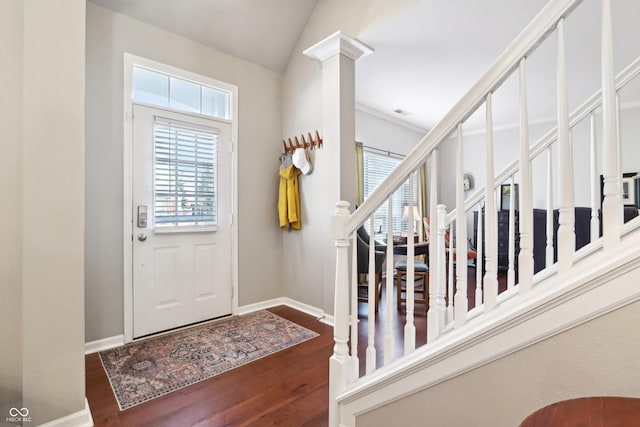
376	168
184	175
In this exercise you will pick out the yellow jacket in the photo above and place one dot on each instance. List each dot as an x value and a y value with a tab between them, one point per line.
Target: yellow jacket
289	198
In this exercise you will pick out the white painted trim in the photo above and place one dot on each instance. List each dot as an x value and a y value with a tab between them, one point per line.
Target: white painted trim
336	43
296	305
81	418
391	119
129	61
558	304
328	319
262	305
103	344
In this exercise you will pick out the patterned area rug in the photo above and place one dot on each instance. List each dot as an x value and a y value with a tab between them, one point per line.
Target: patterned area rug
147	369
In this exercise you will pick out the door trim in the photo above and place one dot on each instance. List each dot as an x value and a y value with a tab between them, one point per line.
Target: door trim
129	62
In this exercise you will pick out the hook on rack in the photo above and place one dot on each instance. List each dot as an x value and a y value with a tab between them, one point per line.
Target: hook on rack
310	143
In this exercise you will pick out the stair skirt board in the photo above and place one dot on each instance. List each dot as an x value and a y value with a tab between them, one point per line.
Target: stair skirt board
593	288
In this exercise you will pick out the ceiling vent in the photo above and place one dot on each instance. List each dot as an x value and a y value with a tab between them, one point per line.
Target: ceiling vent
401	112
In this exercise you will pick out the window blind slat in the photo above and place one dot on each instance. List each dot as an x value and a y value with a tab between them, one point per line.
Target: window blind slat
184	175
376	168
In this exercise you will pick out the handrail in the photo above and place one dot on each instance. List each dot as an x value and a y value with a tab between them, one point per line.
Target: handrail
593	102
533	34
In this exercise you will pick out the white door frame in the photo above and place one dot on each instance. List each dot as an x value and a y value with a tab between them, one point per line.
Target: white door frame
129	62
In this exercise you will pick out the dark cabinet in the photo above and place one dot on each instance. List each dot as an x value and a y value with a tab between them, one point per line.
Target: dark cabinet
503	237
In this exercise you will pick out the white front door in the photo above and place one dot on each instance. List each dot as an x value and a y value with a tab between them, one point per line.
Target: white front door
181	220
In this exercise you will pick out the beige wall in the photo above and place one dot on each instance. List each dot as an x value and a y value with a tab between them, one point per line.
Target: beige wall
109	35
311	278
11	15
41	262
597	358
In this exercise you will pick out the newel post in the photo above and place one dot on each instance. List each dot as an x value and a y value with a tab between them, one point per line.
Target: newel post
339	363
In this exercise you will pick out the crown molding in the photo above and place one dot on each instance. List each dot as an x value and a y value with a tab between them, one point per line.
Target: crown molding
396	121
338	43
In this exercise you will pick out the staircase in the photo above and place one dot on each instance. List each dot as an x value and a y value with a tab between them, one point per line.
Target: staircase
582	282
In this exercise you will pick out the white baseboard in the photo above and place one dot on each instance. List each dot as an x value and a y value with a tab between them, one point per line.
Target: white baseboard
289	302
81	418
328	320
103	344
262	305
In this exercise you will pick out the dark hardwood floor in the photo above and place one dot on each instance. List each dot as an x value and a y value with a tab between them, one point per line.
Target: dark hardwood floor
289	388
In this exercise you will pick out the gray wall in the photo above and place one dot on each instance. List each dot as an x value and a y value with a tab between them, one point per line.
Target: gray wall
311	278
41	249
109	35
594	359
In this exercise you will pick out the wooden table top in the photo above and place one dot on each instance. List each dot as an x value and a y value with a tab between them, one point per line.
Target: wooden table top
606	411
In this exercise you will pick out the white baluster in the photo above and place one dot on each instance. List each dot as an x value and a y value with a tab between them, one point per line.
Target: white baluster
491	219
549	247
371	302
340	363
451	278
525	213
461	302
441	248
409	327
479	258
388	337
611	173
619	157
436	316
566	232
355	369
595	185
511	273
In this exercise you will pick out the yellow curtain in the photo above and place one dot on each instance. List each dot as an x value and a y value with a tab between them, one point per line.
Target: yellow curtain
423	196
359	173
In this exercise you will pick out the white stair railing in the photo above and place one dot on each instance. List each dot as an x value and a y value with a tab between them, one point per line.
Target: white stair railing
448	306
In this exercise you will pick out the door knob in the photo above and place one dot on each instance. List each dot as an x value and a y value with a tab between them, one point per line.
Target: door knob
142	237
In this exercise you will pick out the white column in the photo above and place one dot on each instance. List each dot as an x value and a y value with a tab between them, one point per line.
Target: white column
338	54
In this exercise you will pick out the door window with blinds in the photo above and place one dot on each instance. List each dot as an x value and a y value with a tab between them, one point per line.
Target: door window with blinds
376	168
184	175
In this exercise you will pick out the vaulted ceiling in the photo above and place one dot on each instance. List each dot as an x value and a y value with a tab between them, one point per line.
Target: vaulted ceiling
426	57
260	31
